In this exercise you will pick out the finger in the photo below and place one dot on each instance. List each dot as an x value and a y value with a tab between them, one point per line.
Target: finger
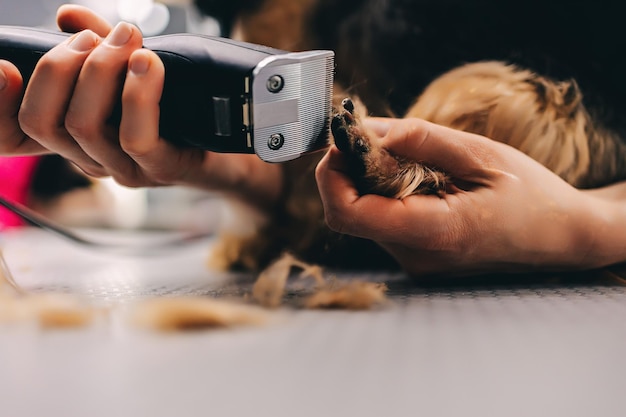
459	153
375	217
140	105
42	112
97	91
13	141
139	128
74	18
378	125
336	188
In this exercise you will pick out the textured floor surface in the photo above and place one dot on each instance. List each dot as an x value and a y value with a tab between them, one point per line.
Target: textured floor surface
523	350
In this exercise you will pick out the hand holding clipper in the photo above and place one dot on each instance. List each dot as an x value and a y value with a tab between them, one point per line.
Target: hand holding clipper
221	95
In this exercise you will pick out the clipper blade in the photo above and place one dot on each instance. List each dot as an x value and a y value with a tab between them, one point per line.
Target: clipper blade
292	104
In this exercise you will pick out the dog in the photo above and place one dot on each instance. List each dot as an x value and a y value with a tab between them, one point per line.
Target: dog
542	118
543	77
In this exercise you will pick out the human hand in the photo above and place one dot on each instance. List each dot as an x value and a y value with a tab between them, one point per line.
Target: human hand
505	212
72	93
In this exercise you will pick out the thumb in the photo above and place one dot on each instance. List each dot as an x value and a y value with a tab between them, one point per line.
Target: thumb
458	153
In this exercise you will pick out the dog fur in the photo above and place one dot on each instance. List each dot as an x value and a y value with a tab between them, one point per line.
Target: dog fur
542	77
542	118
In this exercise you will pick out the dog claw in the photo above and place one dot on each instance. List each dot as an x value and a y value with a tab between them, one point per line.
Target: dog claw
348	105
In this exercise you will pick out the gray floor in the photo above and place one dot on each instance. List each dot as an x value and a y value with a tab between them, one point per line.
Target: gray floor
476	351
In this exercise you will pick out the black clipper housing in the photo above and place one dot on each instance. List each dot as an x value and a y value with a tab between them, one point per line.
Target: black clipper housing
222	95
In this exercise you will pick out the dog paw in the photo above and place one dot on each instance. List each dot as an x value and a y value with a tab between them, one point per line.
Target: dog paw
351	139
372	168
346	129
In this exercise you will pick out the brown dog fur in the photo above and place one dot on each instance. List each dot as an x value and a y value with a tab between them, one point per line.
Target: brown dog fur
276	23
544	118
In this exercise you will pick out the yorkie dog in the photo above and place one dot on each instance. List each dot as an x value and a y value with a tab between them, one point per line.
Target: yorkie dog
543	118
497	69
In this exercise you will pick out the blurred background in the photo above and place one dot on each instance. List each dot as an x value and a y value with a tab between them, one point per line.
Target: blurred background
155	208
154	18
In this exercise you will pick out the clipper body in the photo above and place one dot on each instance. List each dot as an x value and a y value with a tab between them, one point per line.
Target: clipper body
222	95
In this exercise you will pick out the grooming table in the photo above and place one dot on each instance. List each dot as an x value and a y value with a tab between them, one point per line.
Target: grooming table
535	350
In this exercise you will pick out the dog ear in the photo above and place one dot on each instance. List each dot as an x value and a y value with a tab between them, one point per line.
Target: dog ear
571	97
564	97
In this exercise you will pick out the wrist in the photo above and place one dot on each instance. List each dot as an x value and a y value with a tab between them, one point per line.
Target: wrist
601	230
573	232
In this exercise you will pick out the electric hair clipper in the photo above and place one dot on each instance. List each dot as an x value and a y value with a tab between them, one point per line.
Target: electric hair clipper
219	94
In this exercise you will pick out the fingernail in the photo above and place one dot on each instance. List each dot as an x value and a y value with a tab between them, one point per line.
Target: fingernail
139	64
120	34
83	41
3	80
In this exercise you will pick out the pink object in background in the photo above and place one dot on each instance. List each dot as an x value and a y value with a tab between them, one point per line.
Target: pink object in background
16	174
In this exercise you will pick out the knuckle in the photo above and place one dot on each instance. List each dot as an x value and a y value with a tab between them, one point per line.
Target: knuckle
25	119
131	176
11	142
134	150
92	170
160	178
98	63
77	126
335	222
130	181
157	175
31	123
48	64
127	182
55	65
